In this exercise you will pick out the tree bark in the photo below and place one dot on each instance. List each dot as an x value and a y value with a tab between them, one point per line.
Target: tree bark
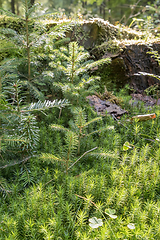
17	7
13	6
84	4
32	2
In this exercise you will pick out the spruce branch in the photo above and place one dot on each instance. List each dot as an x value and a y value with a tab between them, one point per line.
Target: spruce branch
39	106
59	127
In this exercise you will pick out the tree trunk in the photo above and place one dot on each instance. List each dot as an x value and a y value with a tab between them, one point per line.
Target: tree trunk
32	2
17	7
84	4
13	6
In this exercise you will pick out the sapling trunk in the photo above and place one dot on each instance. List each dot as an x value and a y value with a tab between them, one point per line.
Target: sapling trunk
68	154
72	73
79	140
0	118
17	98
27	41
79	145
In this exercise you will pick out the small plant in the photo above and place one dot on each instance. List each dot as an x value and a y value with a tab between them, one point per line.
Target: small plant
111	213
95	223
34	47
80	126
68	153
73	63
20	133
73	138
21	68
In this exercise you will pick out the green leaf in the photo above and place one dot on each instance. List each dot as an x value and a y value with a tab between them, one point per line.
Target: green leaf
95	223
126	146
131	226
110	213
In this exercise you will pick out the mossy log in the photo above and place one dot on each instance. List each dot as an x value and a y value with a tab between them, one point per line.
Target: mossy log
137	59
14	23
126	48
94	32
131	58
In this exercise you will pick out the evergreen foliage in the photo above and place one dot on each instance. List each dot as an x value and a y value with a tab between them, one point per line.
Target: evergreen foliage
73	67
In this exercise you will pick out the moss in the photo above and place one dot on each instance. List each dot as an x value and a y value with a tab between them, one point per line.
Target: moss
12	22
17	24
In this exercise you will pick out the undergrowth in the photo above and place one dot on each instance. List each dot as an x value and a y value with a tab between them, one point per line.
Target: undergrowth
127	181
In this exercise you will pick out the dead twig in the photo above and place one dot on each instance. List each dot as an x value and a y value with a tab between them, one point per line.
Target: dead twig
82	156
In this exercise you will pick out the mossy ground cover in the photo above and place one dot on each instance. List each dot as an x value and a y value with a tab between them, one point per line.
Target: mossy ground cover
42	201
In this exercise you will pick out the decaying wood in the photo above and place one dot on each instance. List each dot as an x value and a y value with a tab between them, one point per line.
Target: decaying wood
132	59
144	117
148	100
102	106
129	53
